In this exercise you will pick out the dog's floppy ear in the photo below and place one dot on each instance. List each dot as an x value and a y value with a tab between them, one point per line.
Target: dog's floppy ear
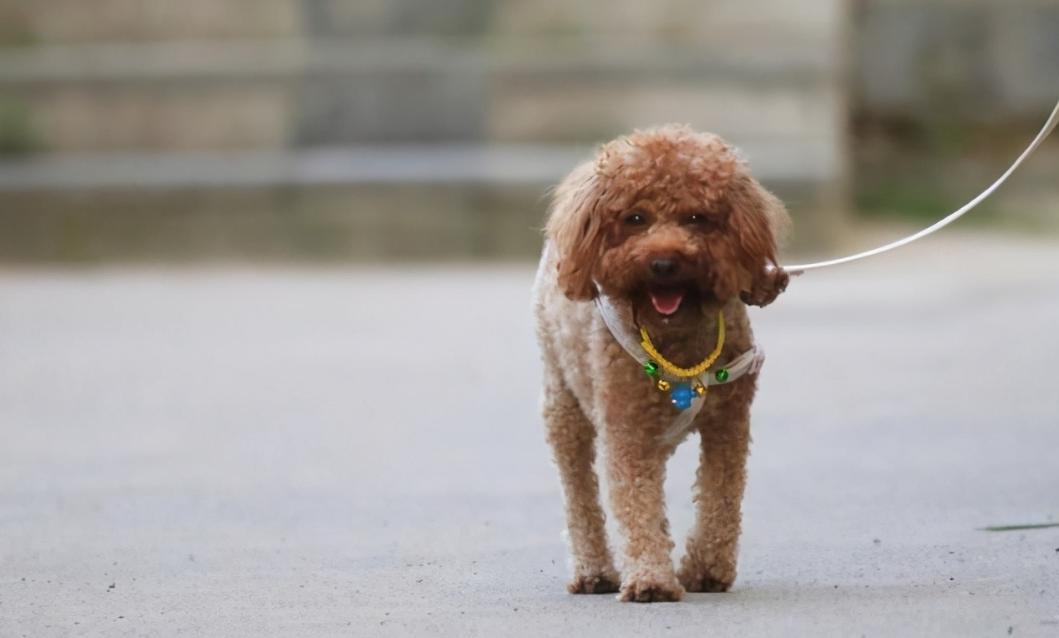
576	229
759	221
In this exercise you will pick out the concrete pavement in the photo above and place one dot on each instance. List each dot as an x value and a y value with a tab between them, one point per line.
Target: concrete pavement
243	451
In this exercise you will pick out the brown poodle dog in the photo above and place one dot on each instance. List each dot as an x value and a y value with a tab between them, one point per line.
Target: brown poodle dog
668	226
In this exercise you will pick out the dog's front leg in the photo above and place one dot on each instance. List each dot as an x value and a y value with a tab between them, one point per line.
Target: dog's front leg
572	438
709	564
636	468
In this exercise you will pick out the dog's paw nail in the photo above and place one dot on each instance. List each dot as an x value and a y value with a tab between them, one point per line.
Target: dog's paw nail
594	584
649	591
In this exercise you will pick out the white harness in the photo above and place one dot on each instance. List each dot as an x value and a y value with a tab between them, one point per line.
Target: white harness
747	363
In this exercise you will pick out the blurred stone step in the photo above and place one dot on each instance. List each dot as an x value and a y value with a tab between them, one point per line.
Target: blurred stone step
360	203
110	20
76	21
272	95
378	221
119	62
360	222
408	165
770	158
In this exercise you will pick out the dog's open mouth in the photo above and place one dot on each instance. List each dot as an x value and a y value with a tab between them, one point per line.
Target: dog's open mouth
666	300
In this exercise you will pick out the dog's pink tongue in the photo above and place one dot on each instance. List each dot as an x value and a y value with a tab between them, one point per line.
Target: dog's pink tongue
666	302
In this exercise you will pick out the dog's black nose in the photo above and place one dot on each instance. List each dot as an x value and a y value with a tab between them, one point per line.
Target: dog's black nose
664	267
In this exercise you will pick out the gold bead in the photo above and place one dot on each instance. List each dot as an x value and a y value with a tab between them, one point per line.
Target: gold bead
663	385
700	389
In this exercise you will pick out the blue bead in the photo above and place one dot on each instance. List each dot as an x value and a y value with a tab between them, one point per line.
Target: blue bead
681	396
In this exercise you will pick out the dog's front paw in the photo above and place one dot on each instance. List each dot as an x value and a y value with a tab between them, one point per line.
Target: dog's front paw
716	578
767	287
651	589
704	582
597	583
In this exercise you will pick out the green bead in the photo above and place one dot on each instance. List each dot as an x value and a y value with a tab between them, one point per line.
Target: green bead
721	375
651	368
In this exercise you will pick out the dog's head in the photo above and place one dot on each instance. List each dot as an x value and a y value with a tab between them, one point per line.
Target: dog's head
667	218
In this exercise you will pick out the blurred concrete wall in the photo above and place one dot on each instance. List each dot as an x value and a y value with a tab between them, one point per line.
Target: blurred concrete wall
978	59
944	97
132	111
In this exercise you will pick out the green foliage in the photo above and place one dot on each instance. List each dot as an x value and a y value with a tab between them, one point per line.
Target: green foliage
17	134
906	198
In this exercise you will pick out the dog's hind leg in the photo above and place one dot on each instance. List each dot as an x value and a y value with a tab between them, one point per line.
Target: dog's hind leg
572	438
709	564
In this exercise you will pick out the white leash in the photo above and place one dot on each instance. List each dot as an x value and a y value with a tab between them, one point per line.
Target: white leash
1049	126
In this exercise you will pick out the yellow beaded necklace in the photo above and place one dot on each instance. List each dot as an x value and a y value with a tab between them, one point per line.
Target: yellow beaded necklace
681	395
676	370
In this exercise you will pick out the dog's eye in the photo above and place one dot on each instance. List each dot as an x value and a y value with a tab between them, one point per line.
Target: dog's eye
635	219
698	219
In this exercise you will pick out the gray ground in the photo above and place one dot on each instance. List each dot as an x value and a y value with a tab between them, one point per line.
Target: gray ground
248	452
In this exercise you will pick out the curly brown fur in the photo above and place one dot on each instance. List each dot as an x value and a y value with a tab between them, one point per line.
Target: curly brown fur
669	224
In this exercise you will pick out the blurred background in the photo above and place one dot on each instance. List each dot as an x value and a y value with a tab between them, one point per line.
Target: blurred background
388	130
